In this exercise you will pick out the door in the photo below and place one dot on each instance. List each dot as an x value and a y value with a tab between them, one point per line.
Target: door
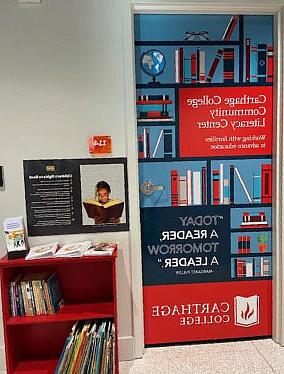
204	132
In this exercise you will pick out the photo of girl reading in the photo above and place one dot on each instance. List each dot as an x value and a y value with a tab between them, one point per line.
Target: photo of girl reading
103	209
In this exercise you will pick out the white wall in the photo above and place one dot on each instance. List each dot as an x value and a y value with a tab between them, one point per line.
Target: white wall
62	80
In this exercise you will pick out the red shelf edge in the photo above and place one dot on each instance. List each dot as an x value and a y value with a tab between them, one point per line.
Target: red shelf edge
68	313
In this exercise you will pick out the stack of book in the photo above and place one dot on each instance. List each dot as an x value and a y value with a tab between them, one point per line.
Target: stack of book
77	249
189	189
159	108
35	294
259	62
89	348
254	220
144	146
244	244
260	190
253	267
195	72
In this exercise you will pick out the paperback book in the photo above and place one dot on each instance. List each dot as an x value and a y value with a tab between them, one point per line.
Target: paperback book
73	249
43	251
101	249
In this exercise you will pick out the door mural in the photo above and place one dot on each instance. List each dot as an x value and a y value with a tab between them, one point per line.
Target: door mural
204	131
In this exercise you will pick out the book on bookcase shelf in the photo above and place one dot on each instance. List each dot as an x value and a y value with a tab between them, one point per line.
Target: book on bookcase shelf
226	36
189	189
254	220
252	267
89	348
145	139
224	188
258	62
160	113
244	244
35	294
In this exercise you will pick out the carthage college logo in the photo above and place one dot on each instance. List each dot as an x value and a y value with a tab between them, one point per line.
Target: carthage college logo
246	311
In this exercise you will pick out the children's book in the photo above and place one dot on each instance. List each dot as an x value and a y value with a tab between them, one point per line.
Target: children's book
101	249
15	236
73	249
43	251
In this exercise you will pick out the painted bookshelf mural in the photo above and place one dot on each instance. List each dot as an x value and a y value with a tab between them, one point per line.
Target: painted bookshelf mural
204	133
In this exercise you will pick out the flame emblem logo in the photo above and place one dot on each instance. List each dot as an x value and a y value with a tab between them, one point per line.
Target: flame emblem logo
246	311
246	314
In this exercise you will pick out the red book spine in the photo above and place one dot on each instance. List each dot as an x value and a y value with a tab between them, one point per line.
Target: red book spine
241	266
247	59
216	187
193	68
181	73
154	114
141	146
269	64
174	187
214	65
231	26
266	183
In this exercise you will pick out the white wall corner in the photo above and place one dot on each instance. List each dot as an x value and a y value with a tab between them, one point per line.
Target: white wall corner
2	360
126	348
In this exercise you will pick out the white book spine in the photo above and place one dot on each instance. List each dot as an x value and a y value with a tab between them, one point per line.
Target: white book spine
202	66
261	266
249	269
189	187
221	182
196	181
145	142
177	66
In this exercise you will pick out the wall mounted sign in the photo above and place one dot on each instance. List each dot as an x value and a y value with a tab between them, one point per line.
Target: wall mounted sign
100	144
76	196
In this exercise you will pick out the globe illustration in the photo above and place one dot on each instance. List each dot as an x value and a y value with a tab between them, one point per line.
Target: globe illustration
153	63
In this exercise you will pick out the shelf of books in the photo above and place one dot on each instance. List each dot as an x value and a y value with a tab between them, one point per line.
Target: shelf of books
59	314
204	132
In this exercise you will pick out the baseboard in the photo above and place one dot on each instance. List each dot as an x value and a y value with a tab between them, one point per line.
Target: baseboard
2	360
126	348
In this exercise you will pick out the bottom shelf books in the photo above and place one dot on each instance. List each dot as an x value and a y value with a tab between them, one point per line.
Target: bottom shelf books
251	267
89	348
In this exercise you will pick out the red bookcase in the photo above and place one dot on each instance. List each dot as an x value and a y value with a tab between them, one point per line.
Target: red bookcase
88	284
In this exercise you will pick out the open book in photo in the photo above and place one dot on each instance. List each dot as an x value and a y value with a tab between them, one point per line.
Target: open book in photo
73	249
43	251
101	249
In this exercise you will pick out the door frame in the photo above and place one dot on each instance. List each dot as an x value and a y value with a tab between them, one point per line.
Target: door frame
131	7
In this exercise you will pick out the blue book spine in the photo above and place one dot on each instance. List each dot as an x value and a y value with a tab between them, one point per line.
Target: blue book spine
261	62
253	64
232	184
168	143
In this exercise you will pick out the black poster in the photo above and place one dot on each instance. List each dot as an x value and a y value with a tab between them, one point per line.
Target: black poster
76	196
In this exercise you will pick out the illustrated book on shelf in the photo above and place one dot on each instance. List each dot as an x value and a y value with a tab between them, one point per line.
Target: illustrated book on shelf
204	99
